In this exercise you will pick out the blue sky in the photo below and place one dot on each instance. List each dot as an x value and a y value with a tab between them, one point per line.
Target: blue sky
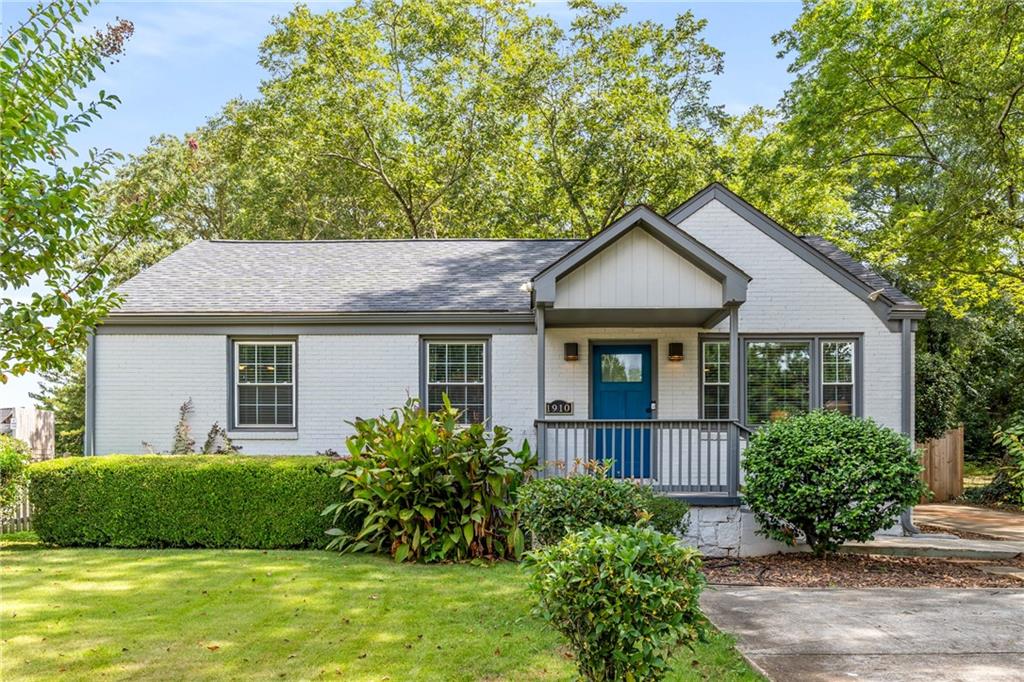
187	59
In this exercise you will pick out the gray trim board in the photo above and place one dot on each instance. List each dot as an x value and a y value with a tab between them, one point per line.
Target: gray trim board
488	361
89	437
247	329
884	308
374	318
734	280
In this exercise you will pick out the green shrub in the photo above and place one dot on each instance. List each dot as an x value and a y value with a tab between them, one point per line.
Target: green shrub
431	488
551	508
183	501
830	478
623	597
14	459
937	397
1011	437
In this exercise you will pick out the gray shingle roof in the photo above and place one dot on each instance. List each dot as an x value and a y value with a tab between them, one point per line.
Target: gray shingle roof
860	271
456	275
342	276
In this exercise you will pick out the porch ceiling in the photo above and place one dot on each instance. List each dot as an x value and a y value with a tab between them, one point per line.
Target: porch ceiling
634	317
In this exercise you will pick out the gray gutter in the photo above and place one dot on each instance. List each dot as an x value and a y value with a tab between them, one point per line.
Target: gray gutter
445	317
907	404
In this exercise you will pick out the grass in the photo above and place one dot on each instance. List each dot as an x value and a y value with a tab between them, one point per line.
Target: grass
233	614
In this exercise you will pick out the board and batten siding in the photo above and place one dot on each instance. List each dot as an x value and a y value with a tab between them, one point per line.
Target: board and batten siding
789	296
638	271
142	380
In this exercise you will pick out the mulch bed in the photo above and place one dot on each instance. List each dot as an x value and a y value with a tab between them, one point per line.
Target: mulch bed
856	570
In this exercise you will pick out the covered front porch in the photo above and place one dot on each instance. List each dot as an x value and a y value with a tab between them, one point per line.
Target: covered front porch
638	345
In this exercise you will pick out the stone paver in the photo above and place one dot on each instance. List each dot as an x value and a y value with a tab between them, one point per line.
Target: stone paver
814	635
1007	525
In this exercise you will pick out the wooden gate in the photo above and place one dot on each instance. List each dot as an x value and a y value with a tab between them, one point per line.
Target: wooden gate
943	462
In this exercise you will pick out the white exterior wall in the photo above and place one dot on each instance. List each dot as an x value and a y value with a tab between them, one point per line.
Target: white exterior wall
676	381
638	271
142	380
789	295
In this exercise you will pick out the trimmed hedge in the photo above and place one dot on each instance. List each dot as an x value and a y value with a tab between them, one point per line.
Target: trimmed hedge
183	501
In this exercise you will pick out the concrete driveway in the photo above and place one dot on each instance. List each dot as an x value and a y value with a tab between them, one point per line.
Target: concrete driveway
877	634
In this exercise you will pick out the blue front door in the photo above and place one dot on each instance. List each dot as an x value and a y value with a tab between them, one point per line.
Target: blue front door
622	390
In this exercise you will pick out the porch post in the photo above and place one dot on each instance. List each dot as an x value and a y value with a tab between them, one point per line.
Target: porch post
734	400
541	434
907	405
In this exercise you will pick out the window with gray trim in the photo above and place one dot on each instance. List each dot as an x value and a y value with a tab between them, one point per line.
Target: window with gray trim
778	376
716	379
837	376
264	378
457	369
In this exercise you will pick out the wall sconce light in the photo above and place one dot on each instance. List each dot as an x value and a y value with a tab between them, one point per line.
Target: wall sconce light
572	352
675	351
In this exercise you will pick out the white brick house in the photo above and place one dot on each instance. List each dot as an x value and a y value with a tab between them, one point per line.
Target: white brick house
656	344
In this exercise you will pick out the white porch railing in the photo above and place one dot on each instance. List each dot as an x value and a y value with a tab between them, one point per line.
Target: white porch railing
690	457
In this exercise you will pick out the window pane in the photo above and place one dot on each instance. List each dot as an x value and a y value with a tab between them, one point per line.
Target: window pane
283	353
622	367
456	354
716	402
246	353
265	355
838	397
475	373
778	380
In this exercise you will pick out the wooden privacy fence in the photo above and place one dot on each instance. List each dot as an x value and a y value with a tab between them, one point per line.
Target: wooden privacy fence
943	462
18	517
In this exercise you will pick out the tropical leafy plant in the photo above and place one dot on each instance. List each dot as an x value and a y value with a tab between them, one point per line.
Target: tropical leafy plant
623	597
551	508
14	459
431	489
830	478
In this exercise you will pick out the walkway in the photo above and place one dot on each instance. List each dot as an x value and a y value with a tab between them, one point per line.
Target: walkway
1000	524
906	634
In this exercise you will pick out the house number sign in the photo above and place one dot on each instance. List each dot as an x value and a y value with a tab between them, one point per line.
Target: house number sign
558	407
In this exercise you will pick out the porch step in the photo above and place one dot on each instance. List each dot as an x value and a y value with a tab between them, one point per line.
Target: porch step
926	545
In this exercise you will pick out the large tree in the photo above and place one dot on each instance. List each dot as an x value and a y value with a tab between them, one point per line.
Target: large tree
923	102
53	245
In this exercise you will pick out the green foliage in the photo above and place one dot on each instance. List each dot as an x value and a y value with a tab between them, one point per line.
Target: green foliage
218	442
668	514
829	477
623	597
922	103
551	508
937	396
186	501
62	391
1011	437
431	489
14	459
52	234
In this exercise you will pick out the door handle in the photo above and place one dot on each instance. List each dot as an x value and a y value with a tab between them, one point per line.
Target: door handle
653	407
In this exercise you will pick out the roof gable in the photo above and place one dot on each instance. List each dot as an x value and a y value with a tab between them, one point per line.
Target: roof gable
734	281
887	301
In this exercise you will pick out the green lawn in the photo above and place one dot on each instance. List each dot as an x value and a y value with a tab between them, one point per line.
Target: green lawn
234	614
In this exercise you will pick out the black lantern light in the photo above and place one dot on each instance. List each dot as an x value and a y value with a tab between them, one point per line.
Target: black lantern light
675	351
572	352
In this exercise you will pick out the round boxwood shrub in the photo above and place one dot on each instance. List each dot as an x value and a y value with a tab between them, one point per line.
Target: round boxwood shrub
623	597
830	478
550	508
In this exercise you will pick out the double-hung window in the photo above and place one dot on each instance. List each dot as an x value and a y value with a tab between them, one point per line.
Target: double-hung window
837	382
716	379
457	368
264	384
